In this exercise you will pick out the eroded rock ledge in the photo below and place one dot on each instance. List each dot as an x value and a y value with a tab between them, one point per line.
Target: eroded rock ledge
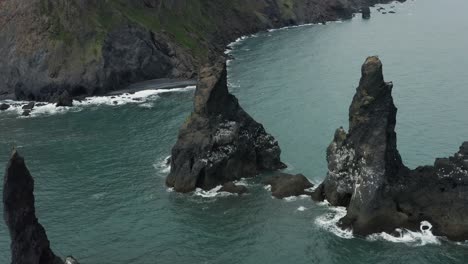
219	142
366	173
29	243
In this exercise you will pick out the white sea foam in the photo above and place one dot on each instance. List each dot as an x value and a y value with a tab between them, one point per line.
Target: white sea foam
242	182
329	222
290	198
211	193
142	98
267	187
301	209
163	165
421	238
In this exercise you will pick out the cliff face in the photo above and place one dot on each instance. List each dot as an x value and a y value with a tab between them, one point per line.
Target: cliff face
219	142
29	243
366	173
89	47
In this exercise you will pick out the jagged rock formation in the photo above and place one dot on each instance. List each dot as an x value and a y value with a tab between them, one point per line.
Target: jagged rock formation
92	47
287	185
29	243
219	142
366	173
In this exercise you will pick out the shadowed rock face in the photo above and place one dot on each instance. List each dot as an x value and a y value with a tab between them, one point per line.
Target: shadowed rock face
219	142
29	243
366	173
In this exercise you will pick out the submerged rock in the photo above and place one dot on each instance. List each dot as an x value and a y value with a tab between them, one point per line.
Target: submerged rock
29	243
4	107
26	113
366	173
219	142
230	187
366	13
286	185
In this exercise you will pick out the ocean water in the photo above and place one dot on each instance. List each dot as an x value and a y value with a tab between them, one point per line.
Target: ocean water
99	167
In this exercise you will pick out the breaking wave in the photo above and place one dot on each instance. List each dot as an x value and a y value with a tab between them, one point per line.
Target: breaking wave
143	98
329	221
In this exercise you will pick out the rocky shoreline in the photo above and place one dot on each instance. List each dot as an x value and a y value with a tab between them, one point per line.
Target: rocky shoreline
118	49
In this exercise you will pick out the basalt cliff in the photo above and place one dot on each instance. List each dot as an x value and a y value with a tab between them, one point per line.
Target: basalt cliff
219	142
29	243
366	173
89	47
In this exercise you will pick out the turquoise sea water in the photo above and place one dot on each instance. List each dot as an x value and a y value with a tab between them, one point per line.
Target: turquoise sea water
99	168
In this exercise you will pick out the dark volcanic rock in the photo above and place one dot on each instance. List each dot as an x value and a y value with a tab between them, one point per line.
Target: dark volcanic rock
92	47
29	243
29	106
366	173
366	13
219	142
286	185
230	187
4	107
26	113
64	99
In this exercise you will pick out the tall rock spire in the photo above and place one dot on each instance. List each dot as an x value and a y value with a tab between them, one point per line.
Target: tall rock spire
29	243
366	173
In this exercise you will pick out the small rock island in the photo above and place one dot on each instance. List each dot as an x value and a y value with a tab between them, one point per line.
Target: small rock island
219	142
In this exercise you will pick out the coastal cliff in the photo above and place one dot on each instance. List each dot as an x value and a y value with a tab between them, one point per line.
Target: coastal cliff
92	47
366	173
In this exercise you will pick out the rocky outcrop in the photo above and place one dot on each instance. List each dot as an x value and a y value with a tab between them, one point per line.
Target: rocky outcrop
366	173
29	106
64	99
93	47
29	243
231	187
366	13
287	185
219	142
4	107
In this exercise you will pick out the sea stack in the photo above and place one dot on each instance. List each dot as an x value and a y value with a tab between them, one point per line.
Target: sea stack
366	173
219	142
29	243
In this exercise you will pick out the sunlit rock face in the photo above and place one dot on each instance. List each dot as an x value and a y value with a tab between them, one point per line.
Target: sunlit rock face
366	173
219	142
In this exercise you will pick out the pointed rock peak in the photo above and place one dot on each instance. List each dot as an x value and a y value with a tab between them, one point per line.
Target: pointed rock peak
219	142
212	92
372	80
29	243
